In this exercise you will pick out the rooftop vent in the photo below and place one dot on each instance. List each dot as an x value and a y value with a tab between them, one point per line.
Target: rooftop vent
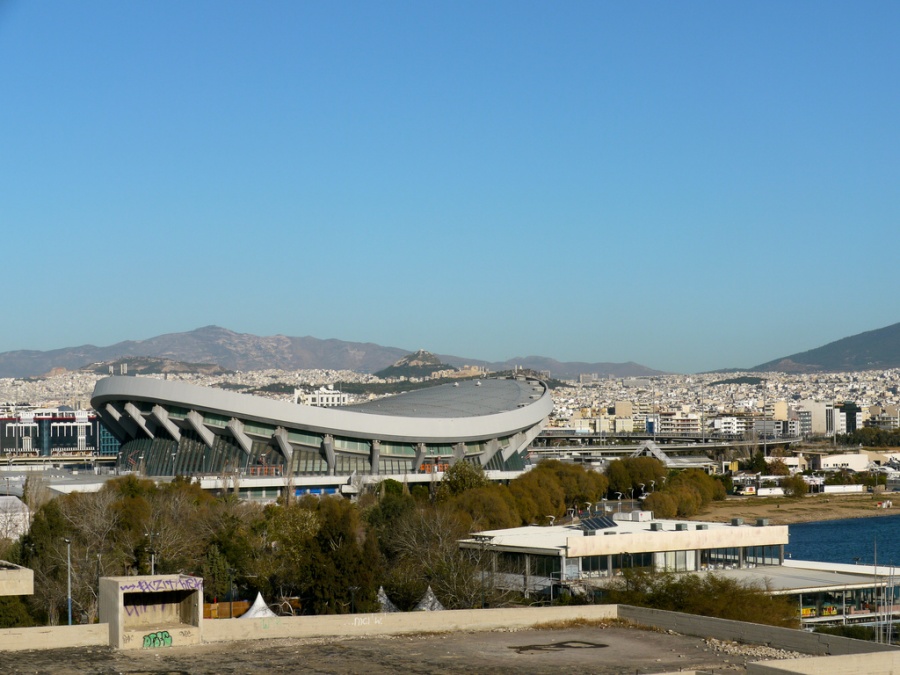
656	527
762	522
737	522
681	527
703	526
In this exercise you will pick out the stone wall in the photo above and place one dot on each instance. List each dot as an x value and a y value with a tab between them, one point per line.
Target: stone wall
54	637
350	625
750	633
883	663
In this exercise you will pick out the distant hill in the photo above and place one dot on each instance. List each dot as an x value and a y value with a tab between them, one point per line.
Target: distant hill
212	344
873	350
243	351
420	364
146	365
560	370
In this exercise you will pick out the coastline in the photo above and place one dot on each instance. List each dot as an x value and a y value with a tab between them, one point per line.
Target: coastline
812	508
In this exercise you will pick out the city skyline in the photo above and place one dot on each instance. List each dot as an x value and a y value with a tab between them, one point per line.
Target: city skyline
689	187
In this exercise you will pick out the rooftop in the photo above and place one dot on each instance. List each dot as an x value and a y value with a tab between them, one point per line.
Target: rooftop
469	398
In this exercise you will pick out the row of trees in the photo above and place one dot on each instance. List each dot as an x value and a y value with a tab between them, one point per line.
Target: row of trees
679	494
312	549
872	437
323	553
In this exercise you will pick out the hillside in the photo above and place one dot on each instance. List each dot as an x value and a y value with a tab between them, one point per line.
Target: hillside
420	364
212	345
873	350
244	351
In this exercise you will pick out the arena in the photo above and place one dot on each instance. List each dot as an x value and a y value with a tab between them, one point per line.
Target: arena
171	428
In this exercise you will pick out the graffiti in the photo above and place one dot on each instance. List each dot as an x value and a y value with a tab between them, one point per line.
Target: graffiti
367	620
156	585
558	646
160	638
135	610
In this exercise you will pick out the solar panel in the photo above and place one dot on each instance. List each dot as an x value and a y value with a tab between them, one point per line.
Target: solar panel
595	523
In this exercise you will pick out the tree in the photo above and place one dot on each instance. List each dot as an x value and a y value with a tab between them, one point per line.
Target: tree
491	507
795	486
426	546
662	504
460	477
579	484
777	467
537	495
619	477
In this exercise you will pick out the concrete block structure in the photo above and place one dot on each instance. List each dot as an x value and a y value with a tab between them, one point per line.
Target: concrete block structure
152	611
15	580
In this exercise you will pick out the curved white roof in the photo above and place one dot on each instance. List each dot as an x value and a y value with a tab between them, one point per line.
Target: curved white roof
443	414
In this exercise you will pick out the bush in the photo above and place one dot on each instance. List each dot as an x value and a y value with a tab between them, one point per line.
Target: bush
705	595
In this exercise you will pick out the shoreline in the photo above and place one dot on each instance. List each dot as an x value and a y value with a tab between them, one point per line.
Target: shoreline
812	508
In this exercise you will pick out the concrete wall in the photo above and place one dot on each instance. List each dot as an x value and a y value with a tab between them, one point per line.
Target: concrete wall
54	637
350	625
15	580
751	633
865	664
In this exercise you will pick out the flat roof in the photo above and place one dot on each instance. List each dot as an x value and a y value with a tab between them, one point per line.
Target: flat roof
784	579
551	540
469	398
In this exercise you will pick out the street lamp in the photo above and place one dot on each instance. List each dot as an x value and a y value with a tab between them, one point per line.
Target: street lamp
483	540
69	576
151	536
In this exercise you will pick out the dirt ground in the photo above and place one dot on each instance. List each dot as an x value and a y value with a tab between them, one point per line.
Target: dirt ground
604	650
783	511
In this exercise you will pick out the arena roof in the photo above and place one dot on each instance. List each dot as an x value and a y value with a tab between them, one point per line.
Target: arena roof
470	398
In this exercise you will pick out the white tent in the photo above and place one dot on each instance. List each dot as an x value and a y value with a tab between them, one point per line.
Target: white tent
258	610
429	603
385	601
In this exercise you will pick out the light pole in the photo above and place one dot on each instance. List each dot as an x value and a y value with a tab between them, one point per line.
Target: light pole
230	593
151	536
483	540
353	590
69	576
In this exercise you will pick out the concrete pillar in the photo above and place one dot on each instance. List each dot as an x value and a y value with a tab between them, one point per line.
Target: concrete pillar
328	447
421	449
375	455
526	574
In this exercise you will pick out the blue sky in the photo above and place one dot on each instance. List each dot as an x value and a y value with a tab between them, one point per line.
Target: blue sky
687	185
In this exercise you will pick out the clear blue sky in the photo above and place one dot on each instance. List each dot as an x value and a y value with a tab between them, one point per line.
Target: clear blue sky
688	185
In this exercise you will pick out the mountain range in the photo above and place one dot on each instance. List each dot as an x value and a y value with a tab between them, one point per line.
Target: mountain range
873	350
216	346
243	351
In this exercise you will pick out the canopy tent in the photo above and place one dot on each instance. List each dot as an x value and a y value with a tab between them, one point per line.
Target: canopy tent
385	602
429	603
258	610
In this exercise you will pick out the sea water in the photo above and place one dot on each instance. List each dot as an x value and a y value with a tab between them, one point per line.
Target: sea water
847	541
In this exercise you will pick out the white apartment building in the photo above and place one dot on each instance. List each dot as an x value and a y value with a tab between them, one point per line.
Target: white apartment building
323	397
